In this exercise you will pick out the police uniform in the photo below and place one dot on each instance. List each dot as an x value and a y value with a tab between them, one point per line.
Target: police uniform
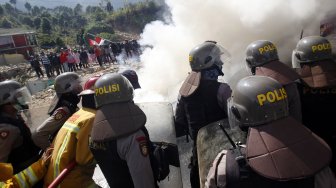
64	104
16	145
71	144
217	175
262	58
119	141
276	152
203	98
50	126
214	108
317	71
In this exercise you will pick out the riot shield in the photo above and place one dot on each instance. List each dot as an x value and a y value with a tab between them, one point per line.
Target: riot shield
160	126
210	141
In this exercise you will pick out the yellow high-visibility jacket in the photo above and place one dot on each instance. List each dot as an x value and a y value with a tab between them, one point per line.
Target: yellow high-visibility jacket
71	143
24	179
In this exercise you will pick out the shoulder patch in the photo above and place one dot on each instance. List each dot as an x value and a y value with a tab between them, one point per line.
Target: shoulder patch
59	114
143	145
4	134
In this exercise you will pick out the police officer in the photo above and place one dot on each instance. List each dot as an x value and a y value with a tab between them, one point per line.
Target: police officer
64	104
276	152
132	76
202	98
119	139
317	70
262	59
16	145
71	144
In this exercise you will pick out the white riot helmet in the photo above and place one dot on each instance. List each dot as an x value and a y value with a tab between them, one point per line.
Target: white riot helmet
68	82
207	54
12	92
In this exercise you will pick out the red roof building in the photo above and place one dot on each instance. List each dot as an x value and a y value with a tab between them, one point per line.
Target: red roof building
17	41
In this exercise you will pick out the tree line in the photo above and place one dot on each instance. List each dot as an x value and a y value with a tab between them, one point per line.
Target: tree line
65	25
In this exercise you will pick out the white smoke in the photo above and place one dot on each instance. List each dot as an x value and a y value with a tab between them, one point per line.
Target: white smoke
232	23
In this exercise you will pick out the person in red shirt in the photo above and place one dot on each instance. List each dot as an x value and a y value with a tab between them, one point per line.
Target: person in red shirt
64	60
97	52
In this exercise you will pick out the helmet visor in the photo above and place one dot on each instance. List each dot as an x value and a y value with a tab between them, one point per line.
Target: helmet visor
233	120
224	56
295	62
22	96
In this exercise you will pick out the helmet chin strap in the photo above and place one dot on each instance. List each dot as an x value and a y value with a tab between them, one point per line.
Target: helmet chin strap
219	69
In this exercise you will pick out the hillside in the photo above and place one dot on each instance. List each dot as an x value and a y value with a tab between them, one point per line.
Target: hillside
63	25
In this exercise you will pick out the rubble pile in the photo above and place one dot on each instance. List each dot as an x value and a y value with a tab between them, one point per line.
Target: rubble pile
43	98
20	72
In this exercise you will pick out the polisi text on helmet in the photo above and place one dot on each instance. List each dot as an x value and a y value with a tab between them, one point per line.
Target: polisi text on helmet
107	89
321	47
272	96
190	58
267	48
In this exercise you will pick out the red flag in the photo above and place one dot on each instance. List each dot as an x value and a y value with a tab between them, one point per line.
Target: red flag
98	39
92	42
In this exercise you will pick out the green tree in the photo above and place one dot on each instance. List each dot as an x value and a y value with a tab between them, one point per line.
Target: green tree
99	16
88	9
36	11
109	7
46	14
54	20
78	9
46	26
1	10
9	9
37	22
59	42
28	21
13	2
28	6
6	23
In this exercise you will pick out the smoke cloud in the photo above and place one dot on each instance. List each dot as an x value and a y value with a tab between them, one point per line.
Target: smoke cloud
232	23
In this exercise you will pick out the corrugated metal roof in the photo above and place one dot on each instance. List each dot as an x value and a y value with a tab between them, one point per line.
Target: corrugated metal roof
14	31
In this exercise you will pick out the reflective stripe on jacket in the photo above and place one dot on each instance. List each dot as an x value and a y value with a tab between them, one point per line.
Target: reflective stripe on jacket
26	178
71	143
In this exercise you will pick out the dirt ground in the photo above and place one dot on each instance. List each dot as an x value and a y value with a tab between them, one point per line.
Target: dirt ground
41	100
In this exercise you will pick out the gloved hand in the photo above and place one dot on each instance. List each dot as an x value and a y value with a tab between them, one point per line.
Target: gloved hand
46	156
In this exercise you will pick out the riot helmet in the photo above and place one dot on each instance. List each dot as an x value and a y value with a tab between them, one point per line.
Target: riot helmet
12	92
88	93
89	85
311	49
206	55
68	82
260	52
112	88
257	100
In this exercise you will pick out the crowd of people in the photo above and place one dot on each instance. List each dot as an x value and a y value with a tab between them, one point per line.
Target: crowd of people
71	60
285	113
